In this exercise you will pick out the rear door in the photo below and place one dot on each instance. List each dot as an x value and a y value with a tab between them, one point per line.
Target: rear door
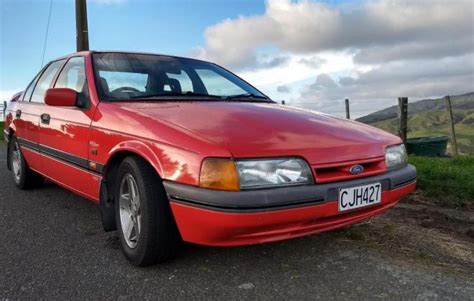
28	111
64	133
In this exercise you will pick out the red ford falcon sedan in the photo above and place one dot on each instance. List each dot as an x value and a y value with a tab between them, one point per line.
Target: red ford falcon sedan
176	149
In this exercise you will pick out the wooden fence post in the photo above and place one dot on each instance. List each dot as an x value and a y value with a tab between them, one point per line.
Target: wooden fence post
4	109
450	115
348	114
403	118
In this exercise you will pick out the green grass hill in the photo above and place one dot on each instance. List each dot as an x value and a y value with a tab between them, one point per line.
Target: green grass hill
429	118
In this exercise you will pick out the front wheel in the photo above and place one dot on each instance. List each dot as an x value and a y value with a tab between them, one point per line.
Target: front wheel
24	177
147	229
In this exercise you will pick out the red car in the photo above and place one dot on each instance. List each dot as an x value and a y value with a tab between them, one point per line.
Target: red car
176	149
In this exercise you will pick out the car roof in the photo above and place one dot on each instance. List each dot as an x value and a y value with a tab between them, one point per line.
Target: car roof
82	53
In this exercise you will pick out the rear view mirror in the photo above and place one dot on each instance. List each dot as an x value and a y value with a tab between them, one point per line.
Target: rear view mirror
60	97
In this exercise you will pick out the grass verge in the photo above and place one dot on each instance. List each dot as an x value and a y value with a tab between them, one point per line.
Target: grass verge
446	181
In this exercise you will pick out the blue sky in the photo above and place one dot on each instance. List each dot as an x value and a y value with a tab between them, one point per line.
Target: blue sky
173	27
311	53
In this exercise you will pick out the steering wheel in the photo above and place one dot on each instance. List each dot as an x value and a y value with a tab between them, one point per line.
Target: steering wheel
125	90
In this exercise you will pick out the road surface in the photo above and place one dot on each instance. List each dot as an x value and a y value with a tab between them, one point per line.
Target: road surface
53	247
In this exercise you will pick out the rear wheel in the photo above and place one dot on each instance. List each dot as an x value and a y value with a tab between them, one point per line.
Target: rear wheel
147	230
24	177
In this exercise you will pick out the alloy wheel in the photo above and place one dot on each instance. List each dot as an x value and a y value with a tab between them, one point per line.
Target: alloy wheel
130	215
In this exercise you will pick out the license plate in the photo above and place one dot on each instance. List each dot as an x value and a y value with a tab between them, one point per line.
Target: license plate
360	196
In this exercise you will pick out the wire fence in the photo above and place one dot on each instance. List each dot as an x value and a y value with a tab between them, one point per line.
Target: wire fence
3	107
426	118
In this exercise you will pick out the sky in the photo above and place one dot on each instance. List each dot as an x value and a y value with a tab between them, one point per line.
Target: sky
312	54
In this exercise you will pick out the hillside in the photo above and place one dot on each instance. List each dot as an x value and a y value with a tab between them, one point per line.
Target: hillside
429	118
464	101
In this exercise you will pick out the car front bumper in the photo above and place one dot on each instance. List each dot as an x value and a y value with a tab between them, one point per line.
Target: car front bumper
231	218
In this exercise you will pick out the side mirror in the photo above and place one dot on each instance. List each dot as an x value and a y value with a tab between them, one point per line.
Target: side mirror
60	97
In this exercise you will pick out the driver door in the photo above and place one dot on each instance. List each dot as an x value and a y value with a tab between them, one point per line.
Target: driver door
65	131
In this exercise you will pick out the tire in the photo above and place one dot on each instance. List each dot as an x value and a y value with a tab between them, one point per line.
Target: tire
157	238
23	176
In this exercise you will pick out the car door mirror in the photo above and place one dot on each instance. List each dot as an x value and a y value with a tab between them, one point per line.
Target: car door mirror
60	97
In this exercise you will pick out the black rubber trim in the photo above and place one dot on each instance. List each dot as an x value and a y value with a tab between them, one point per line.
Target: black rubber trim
403	183
277	198
62	156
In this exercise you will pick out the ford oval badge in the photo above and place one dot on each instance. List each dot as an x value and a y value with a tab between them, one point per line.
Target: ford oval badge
356	169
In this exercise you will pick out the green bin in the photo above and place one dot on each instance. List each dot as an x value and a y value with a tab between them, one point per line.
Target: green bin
428	146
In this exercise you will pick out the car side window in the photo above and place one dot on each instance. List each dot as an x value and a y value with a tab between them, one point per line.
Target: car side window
182	78
44	82
29	90
120	80
73	76
218	85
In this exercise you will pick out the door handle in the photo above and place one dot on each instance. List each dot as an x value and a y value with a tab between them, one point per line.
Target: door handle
18	113
45	118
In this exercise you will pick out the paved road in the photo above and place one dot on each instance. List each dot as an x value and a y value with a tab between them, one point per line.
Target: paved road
52	247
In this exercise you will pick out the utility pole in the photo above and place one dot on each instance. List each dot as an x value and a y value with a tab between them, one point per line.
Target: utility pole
403	118
450	115
348	114
82	32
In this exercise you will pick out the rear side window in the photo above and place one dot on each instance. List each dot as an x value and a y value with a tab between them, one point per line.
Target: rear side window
29	90
44	82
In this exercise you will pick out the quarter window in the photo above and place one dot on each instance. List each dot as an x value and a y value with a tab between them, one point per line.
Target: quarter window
44	82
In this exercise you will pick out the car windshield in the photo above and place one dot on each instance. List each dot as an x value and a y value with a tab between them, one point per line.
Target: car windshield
138	77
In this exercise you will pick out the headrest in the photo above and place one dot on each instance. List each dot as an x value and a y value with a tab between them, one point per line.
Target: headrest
105	86
174	85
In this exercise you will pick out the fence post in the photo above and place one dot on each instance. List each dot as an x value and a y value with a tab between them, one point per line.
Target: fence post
283	102
348	114
451	119
403	118
4	109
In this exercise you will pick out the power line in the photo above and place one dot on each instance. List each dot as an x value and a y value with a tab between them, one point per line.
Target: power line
47	32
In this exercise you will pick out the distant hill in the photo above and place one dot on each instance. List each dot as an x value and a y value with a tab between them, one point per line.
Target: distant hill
428	117
465	101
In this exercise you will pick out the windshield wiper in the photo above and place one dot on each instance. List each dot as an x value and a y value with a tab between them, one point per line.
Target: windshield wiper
246	95
174	94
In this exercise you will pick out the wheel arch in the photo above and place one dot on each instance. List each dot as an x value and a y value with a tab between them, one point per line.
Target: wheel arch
116	156
133	148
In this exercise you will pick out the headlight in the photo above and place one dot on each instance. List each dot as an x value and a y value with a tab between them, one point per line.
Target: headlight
228	174
395	156
273	172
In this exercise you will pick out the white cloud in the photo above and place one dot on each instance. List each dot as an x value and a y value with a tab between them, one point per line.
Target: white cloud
304	26
6	95
376	51
382	85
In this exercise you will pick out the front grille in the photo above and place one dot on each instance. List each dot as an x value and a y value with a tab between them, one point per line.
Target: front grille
340	171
